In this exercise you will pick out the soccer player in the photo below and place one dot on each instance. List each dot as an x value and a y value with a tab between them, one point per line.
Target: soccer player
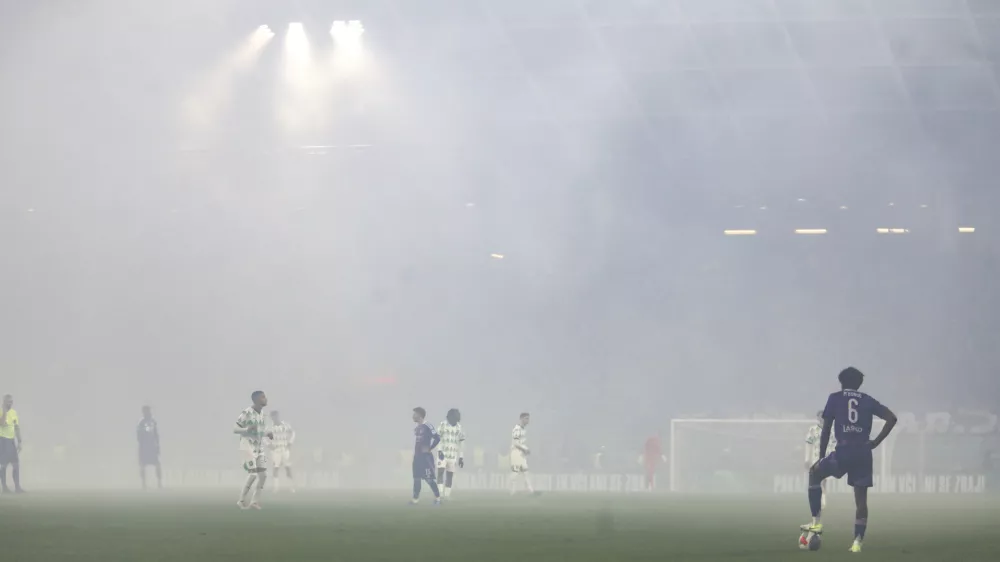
451	451
652	456
423	460
849	414
812	447
148	435
519	452
251	428
281	449
10	445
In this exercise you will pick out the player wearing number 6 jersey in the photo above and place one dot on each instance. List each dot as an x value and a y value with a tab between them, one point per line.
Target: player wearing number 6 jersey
849	415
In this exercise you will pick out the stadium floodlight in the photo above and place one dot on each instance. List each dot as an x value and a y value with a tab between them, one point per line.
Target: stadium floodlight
810	231
497	256
347	33
297	54
892	230
966	229
739	232
347	55
296	42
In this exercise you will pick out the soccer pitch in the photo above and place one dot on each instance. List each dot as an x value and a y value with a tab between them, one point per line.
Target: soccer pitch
474	527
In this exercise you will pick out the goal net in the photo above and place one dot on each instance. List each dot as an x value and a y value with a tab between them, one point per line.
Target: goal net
746	455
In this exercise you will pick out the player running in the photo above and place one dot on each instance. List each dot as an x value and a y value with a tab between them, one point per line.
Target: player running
812	447
147	433
451	451
281	449
849	414
519	452
252	429
423	460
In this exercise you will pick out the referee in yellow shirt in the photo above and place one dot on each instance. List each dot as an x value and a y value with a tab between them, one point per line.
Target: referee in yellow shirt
10	444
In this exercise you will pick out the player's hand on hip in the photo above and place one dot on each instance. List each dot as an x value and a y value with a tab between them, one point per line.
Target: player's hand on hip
461	463
440	455
814	467
872	444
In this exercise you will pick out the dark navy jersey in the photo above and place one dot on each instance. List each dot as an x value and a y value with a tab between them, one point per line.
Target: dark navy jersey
147	434
426	438
852	412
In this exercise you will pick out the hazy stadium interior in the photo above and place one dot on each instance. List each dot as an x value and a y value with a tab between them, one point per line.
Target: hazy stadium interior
608	213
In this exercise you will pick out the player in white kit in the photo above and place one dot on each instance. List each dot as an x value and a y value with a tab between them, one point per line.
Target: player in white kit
252	429
281	449
812	447
450	451
519	452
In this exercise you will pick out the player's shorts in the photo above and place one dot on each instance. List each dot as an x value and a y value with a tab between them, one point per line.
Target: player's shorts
853	460
518	461
254	461
449	465
423	466
8	451
148	457
281	458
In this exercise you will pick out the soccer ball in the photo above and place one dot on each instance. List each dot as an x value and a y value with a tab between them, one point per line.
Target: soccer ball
810	543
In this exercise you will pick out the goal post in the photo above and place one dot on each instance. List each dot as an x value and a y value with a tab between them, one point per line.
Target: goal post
744	455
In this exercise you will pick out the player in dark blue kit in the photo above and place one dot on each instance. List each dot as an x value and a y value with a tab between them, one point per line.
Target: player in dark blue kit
849	413
423	460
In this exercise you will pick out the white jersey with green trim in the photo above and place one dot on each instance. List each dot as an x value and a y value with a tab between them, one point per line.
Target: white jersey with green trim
252	440
452	440
812	443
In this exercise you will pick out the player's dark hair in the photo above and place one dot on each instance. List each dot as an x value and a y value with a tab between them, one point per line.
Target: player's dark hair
524	415
454	414
420	412
256	394
851	378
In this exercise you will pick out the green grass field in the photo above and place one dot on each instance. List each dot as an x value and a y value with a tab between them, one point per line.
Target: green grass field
351	526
